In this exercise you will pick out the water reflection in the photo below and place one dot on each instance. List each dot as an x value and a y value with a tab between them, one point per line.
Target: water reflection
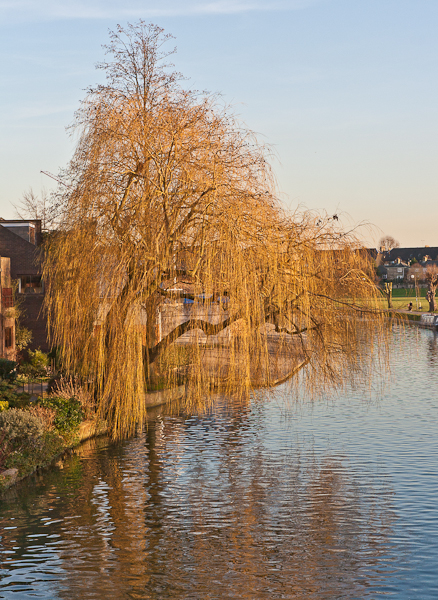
433	349
224	505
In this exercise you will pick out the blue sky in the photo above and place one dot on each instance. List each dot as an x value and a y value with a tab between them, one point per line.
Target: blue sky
345	91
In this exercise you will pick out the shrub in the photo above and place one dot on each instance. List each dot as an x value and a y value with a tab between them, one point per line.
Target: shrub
4	449
68	412
6	387
39	362
20	427
70	387
46	415
9	394
16	400
8	369
28	458
4	405
23	337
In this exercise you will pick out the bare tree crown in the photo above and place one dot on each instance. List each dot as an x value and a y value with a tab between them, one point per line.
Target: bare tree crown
388	243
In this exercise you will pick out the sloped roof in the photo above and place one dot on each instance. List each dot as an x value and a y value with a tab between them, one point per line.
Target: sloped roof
406	254
23	254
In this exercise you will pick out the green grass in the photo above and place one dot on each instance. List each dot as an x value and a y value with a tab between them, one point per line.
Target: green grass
408	293
401	297
401	303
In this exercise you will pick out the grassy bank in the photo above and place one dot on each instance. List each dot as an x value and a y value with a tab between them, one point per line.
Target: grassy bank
403	303
402	297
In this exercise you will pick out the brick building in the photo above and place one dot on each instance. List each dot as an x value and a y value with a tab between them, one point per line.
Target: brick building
7	314
21	242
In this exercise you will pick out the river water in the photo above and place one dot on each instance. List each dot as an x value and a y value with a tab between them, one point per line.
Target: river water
273	499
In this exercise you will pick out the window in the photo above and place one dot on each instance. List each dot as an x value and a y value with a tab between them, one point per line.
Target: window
7	298
30	284
8	337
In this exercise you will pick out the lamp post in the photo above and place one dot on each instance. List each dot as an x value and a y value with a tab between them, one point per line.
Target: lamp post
416	296
416	292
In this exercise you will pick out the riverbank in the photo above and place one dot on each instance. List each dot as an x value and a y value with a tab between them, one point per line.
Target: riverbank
336	496
53	448
283	360
413	316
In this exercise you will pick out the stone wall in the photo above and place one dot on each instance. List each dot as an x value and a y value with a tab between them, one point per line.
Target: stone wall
170	316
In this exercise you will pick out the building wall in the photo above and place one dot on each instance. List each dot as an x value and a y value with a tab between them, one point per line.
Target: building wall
395	272
171	315
7	312
416	271
25	261
33	318
28	230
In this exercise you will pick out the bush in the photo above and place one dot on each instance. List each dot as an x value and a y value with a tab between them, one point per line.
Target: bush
4	405
46	415
31	457
68	412
20	427
39	362
23	337
70	387
8	369
16	400
9	394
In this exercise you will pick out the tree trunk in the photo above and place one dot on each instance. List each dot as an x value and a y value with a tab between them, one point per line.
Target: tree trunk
388	293
430	296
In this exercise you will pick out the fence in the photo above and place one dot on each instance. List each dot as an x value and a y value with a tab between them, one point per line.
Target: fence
34	385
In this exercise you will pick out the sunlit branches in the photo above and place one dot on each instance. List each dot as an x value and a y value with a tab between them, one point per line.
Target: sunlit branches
169	190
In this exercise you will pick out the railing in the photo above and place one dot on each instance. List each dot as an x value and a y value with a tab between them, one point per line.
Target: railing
34	385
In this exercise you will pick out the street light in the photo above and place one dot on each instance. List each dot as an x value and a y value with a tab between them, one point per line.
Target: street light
416	295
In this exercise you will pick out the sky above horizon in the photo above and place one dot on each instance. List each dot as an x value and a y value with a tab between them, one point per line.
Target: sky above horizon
344	91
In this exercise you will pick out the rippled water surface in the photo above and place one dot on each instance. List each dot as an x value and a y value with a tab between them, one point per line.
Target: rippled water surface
323	500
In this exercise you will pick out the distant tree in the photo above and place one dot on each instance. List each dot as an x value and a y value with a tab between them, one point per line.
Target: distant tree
387	292
23	337
32	207
388	243
432	284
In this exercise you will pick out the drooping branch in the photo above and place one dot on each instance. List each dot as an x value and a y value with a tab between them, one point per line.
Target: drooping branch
167	183
360	309
191	324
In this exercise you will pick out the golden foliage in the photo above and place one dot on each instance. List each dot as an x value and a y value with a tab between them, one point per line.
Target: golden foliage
167	186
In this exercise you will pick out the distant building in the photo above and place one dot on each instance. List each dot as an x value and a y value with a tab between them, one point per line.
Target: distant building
406	255
417	271
7	315
21	242
396	264
396	270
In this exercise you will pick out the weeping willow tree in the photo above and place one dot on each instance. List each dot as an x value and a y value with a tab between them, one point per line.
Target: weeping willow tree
166	186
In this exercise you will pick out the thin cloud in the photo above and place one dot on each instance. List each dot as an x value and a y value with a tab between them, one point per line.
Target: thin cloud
34	113
112	9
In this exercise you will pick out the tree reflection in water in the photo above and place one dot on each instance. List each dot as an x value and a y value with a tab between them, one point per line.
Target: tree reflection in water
205	507
432	343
